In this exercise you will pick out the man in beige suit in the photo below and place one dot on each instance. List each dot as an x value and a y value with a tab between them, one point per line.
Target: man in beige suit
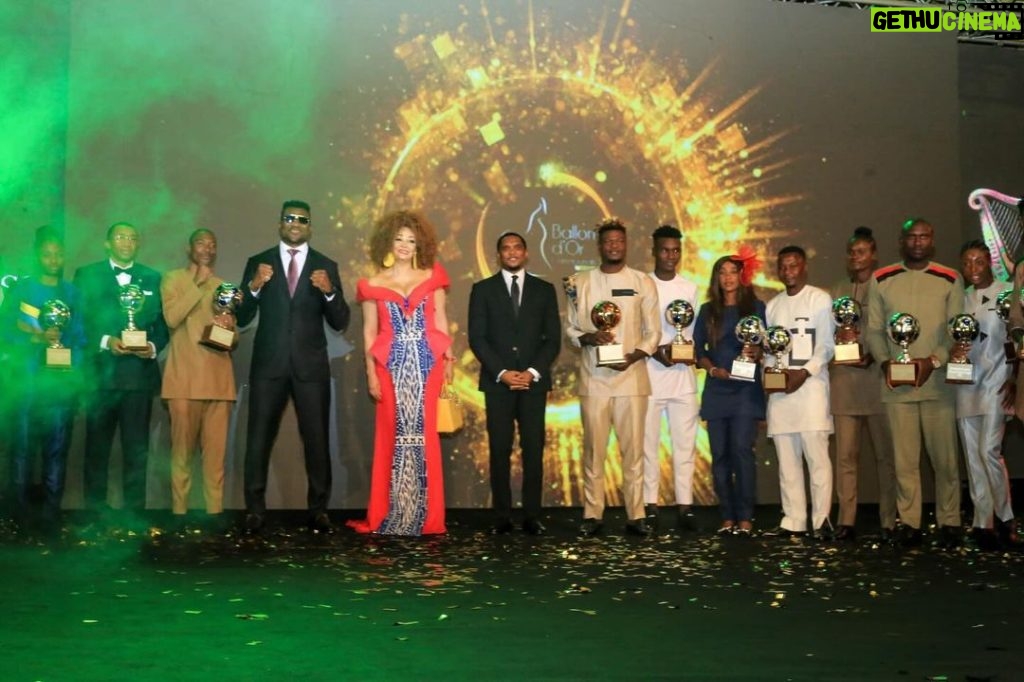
615	395
199	382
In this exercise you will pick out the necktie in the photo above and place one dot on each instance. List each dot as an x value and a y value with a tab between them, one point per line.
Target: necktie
515	294
293	272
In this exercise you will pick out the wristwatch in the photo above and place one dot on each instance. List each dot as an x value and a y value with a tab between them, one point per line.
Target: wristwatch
936	363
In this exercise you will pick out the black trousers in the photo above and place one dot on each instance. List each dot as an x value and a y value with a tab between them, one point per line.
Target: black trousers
267	400
504	411
106	413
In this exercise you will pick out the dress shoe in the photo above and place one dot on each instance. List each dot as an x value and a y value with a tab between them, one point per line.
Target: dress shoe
780	532
823	533
950	537
725	529
591	527
845	534
986	540
1008	536
253	523
908	536
321	523
534	527
502	527
888	536
651	514
639	527
685	519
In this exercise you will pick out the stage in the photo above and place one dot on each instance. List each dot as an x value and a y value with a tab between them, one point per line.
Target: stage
120	600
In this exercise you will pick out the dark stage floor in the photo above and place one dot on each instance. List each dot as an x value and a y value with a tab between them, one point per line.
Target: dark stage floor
104	602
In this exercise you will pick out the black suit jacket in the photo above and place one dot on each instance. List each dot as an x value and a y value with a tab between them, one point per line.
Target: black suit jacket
290	339
501	341
98	288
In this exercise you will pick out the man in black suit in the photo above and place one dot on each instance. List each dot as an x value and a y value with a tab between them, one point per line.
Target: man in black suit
121	381
294	289
515	333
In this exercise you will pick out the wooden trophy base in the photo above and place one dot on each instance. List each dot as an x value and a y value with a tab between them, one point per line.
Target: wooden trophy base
775	380
610	354
847	354
218	337
58	358
959	373
683	353
900	374
743	370
134	339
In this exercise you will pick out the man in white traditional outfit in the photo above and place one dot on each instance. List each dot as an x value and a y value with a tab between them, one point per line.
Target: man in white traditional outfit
673	388
799	420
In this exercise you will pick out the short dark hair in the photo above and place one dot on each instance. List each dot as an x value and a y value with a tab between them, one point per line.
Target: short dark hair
863	234
667	232
612	224
510	233
295	203
114	226
792	248
976	244
199	232
47	234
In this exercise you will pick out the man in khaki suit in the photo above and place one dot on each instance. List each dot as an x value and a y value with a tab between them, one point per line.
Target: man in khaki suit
199	381
616	395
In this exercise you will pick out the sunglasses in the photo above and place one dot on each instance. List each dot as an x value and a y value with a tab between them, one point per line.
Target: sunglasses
292	218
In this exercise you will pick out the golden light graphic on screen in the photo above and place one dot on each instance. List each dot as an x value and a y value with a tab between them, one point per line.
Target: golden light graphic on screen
519	124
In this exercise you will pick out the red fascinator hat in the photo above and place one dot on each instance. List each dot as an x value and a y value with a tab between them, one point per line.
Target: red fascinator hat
751	264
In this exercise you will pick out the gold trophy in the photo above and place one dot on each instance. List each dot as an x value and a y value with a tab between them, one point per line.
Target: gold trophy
750	332
847	313
225	300
606	316
1004	301
131	300
903	330
679	314
55	314
777	340
964	329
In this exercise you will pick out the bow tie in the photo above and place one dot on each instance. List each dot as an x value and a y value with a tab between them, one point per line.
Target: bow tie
118	269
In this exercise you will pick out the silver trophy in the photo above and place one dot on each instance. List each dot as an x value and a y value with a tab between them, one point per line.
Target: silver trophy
679	314
750	332
847	313
55	314
903	329
777	341
217	335
605	315
964	329
131	299
1004	301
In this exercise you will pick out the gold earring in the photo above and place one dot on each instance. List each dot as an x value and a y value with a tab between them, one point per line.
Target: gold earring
415	265
388	261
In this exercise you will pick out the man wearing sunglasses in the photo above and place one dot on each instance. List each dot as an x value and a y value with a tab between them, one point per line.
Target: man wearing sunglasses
295	289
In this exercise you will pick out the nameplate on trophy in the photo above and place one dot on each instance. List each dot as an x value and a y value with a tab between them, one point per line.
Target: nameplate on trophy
134	339
775	381
960	373
743	370
683	353
847	354
218	337
610	354
58	358
901	374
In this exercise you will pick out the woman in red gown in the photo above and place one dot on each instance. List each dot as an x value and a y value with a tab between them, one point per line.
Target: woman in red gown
408	357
